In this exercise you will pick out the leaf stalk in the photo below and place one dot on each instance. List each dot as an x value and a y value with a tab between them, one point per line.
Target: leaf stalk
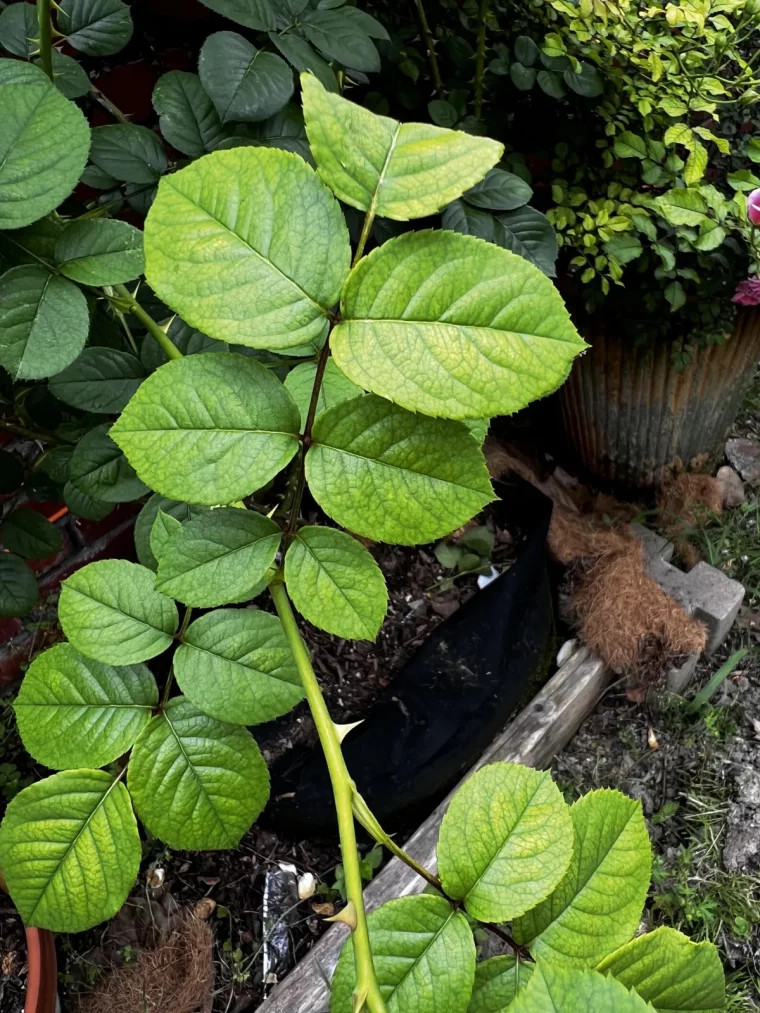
367	992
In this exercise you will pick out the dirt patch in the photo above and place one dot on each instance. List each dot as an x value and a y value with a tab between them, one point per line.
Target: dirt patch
698	782
13	965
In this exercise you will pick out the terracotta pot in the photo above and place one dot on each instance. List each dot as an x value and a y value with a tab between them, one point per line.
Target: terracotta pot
630	417
42	976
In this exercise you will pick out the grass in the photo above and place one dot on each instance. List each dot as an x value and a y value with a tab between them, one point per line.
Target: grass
731	542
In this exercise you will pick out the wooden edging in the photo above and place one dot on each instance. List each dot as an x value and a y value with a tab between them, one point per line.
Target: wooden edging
535	736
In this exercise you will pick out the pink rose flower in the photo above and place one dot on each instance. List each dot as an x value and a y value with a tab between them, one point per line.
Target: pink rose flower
748	291
753	207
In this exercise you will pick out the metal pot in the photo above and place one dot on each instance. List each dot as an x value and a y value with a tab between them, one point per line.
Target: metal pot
630	417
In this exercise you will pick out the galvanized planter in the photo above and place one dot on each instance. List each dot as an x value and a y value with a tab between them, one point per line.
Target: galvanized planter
630	418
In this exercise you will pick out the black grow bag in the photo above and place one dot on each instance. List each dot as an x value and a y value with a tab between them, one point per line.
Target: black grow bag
447	703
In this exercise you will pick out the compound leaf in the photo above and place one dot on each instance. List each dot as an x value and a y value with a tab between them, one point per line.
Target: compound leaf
70	850
399	170
100	380
209	428
424	957
187	117
237	666
262	278
497	982
30	534
336	387
244	83
671	972
43	145
110	611
597	906
44	322
18	588
95	27
556	989
505	841
197	783
100	470
388	474
335	583
448	325
75	712
218	557
100	252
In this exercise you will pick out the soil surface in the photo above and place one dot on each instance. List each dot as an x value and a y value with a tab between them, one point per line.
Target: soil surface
698	779
12	960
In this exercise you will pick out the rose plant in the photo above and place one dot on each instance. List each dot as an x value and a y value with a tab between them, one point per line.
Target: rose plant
402	352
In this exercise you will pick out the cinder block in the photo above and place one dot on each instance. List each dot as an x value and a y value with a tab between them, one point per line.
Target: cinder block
704	592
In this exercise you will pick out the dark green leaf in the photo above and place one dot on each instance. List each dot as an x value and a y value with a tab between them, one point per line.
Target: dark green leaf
523	78
186	338
96	27
18	30
526	50
44	322
284	130
302	56
341	35
36	176
100	252
258	14
129	153
499	191
82	505
551	84
624	248
30	534
18	588
529	234
187	117
101	380
588	82
442	112
100	470
461	217
245	84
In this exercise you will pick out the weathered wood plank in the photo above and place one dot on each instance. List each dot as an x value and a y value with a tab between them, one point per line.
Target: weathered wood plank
534	737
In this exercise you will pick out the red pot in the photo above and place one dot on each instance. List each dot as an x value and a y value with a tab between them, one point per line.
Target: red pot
42	975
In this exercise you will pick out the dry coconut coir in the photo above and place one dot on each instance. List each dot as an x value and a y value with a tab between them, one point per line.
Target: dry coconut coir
175	976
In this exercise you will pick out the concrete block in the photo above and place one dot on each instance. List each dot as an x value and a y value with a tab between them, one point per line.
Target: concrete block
704	592
679	678
656	547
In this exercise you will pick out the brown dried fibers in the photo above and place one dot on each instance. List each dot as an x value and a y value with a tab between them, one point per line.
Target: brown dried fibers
621	613
176	976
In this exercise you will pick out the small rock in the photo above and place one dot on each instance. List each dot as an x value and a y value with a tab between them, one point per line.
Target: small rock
731	487
745	457
307	885
567	650
204	908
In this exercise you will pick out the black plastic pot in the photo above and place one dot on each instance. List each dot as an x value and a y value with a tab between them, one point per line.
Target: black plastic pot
447	703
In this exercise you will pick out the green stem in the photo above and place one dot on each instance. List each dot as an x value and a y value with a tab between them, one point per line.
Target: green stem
154	329
435	72
369	219
480	59
370	823
367	991
45	27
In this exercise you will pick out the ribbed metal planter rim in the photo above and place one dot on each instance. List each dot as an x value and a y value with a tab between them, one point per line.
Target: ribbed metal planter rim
630	417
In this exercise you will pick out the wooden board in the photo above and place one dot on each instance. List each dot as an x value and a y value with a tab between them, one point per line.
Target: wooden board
534	738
